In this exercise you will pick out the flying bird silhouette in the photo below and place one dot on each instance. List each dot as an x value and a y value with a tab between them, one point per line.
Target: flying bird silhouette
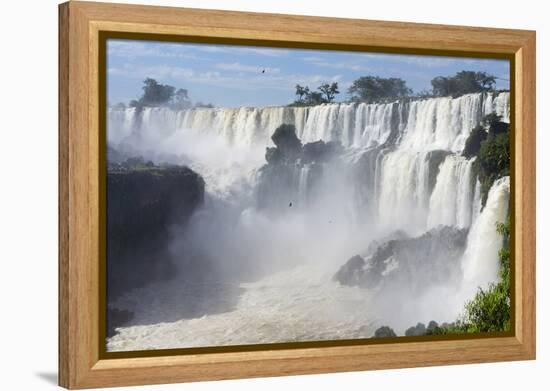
290	205
263	70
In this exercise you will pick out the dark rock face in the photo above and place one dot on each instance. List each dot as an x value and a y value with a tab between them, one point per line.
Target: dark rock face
408	265
473	142
352	272
288	147
289	150
396	235
384	332
319	151
142	204
292	170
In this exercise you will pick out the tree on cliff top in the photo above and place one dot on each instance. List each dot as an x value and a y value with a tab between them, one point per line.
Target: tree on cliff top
156	94
464	82
329	91
373	88
305	97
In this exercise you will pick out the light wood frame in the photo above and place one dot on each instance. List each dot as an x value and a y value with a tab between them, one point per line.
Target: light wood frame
80	24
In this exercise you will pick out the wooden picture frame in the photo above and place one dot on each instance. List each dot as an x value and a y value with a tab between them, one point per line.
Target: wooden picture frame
81	247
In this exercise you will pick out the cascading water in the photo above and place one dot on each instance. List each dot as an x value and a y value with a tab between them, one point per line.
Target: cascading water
439	123
451	201
291	228
480	262
303	183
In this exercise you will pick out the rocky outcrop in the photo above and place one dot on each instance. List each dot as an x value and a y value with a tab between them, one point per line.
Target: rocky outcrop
352	273
288	147
143	202
410	265
320	151
292	169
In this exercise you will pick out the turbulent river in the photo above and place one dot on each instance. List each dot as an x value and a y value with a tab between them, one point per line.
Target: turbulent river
401	170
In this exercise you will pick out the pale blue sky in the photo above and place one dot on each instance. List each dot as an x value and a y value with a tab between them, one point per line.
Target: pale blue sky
231	76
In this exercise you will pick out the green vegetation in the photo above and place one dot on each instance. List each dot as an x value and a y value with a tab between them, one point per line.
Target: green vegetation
490	144
489	310
162	95
329	91
375	89
473	142
155	94
384	332
371	89
306	97
464	82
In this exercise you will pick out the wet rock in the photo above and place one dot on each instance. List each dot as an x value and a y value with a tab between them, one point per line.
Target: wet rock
319	151
352	271
143	202
292	171
287	144
396	235
409	265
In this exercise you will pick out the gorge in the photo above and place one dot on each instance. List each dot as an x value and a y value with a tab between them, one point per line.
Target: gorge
351	217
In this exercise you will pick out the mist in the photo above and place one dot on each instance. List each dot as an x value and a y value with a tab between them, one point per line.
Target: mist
256	263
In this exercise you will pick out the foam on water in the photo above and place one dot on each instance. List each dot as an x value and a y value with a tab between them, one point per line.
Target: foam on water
402	170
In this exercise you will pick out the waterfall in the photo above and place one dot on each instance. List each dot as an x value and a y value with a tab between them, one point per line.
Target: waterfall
403	189
451	202
303	184
436	123
480	261
498	104
398	180
404	177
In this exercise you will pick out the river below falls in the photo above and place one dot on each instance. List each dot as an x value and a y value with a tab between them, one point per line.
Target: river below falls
294	305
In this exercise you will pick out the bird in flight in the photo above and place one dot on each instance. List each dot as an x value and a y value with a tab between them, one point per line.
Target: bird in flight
263	70
290	205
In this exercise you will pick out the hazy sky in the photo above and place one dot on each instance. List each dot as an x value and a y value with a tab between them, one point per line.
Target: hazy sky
231	76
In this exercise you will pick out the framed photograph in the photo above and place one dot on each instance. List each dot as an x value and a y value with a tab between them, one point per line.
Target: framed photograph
247	195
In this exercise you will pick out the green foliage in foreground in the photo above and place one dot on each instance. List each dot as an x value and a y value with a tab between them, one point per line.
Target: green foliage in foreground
489	310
